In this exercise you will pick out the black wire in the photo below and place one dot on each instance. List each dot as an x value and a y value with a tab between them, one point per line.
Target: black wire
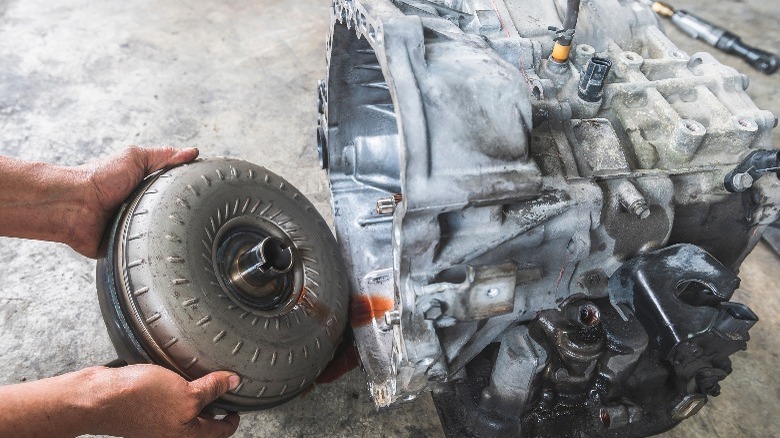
570	23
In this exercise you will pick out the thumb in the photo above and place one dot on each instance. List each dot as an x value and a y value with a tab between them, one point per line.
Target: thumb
213	386
157	158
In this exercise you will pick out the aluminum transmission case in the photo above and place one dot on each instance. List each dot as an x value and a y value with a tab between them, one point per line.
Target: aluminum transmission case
500	225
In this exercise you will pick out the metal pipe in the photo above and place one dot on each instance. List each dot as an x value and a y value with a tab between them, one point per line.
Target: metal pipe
718	37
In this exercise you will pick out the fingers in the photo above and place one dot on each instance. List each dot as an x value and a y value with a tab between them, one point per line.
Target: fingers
210	428
213	386
154	159
207	389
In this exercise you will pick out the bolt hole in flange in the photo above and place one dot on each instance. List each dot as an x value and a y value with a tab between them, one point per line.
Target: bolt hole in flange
223	265
586	49
631	59
746	124
693	126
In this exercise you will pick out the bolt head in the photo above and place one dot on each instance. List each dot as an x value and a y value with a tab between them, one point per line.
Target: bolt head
640	209
434	312
604	417
561	374
393	317
742	181
386	206
643	213
589	315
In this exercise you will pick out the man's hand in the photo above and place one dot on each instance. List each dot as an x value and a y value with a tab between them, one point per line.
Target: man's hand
73	205
108	182
151	401
134	401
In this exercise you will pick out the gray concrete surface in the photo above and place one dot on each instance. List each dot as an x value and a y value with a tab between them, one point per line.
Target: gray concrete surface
82	79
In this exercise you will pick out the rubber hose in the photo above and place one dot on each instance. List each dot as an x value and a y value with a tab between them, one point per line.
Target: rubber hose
572	14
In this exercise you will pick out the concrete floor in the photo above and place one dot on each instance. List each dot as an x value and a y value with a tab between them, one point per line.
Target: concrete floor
81	79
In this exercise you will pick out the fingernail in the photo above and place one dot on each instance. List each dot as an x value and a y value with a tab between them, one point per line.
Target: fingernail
234	381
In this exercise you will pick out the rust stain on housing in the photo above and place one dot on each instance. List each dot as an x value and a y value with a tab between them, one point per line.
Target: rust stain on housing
366	308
